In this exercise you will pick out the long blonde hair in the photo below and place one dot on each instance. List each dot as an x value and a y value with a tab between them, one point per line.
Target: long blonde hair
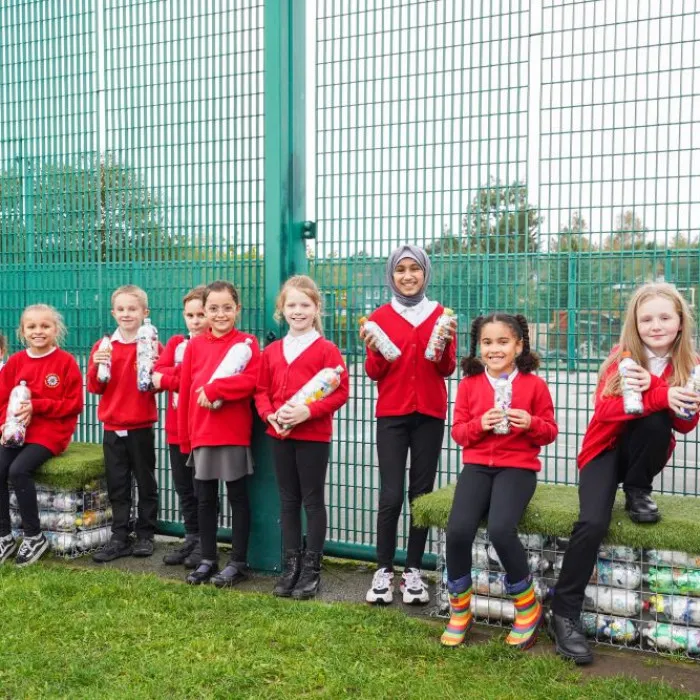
61	330
306	285
682	354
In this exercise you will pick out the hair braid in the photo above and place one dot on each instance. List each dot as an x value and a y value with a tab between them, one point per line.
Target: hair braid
527	361
471	364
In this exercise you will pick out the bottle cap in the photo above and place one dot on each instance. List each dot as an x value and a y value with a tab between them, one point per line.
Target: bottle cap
363	320
448	312
503	376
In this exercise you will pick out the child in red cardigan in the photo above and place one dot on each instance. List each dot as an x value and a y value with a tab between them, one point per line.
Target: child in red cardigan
166	376
302	452
53	377
500	471
128	441
626	448
217	435
411	411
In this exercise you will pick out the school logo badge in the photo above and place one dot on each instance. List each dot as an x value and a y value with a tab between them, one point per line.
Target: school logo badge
52	380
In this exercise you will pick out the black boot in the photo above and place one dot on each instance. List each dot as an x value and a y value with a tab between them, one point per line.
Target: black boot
178	555
309	578
640	506
193	559
290	574
569	639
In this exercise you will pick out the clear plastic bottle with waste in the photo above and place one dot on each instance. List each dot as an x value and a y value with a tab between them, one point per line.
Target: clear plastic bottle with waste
503	397
385	345
693	385
146	354
234	362
631	398
14	430
438	337
318	387
104	369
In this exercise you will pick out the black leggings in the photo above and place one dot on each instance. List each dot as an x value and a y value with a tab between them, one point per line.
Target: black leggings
183	480
19	466
501	492
640	454
208	510
396	435
301	467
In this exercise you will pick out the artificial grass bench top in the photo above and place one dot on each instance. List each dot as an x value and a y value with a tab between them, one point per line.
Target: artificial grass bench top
554	510
79	466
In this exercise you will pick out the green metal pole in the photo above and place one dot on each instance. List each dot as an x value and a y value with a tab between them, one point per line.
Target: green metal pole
571	312
28	207
285	252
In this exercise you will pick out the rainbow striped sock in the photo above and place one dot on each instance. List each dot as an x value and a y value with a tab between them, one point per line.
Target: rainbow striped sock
528	614
461	617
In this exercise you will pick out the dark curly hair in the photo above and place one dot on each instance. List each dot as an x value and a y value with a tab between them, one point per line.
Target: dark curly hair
527	361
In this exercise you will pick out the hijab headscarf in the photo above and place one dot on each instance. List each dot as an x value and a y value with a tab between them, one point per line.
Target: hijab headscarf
421	257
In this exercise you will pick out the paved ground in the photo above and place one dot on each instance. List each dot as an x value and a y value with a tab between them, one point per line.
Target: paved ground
347	582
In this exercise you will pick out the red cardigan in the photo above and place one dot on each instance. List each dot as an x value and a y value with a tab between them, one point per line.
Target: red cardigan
122	405
56	384
278	381
232	424
411	383
609	416
520	448
170	382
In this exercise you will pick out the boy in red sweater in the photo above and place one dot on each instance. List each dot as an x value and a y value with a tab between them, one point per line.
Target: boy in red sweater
128	416
166	375
302	451
500	468
53	377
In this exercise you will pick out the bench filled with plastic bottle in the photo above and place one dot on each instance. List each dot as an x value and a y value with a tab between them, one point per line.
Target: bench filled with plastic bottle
74	522
645	589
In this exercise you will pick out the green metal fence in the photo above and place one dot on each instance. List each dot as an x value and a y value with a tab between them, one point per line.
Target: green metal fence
542	152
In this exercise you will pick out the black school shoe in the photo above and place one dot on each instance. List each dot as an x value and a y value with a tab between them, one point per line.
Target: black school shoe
31	549
203	573
234	572
180	554
114	549
569	640
641	507
143	547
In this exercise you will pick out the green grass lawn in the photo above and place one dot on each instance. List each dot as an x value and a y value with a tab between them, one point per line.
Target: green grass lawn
106	634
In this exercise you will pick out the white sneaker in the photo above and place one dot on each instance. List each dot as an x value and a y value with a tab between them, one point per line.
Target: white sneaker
381	592
414	590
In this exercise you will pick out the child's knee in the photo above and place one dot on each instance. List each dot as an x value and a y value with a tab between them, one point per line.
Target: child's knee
656	424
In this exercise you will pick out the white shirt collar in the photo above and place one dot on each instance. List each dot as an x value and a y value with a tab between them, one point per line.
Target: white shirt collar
119	338
657	364
294	345
415	315
37	357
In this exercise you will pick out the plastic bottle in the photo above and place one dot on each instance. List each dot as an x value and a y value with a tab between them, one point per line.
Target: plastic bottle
615	601
503	396
146	354
438	337
177	360
693	384
104	370
660	635
631	398
665	557
667	580
234	362
14	431
385	345
673	608
493	608
609	573
619	553
616	629
318	387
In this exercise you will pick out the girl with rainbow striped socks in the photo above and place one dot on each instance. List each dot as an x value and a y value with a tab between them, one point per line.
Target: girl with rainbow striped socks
500	468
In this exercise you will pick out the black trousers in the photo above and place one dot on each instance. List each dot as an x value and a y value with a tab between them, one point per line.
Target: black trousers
396	436
502	493
208	509
19	467
134	454
639	456
301	466
183	480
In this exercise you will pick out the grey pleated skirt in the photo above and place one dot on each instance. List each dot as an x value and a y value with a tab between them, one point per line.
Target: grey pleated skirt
223	462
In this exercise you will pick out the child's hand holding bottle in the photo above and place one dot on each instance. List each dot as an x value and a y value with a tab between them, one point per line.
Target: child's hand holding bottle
491	419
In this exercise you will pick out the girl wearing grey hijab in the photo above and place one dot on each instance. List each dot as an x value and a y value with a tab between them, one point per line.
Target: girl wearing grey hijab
411	411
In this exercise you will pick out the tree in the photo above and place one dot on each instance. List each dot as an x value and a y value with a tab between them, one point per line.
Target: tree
630	233
573	237
89	212
501	220
446	244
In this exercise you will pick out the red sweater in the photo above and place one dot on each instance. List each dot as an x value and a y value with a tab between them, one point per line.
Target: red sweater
232	424
122	405
56	384
411	383
609	416
279	381
520	448
171	383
